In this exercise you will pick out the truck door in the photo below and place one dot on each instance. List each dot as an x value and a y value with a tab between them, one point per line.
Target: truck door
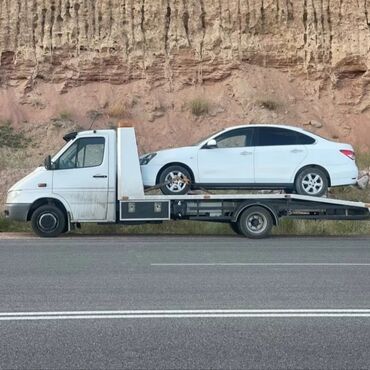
81	178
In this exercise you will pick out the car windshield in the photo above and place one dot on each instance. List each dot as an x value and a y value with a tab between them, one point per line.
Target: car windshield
207	137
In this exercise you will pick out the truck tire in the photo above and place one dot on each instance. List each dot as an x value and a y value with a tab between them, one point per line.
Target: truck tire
255	222
235	227
312	181
180	185
48	221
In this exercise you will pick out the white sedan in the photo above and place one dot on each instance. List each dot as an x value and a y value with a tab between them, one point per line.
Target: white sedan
253	157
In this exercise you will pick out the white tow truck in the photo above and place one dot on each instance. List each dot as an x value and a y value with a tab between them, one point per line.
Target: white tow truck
96	178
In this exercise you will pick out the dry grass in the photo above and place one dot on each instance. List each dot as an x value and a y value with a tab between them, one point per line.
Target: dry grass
118	110
323	228
14	158
65	116
10	138
363	159
268	104
12	226
199	107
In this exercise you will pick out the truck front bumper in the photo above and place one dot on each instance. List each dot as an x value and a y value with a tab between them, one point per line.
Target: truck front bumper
17	211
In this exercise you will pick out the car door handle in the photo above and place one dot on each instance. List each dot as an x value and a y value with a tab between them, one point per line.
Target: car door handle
246	153
296	151
100	176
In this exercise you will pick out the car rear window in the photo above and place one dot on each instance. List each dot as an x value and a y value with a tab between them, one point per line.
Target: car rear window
303	139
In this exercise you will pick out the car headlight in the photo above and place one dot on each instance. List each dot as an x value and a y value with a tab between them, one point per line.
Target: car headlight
147	158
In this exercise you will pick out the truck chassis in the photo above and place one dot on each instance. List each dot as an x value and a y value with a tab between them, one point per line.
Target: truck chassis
251	215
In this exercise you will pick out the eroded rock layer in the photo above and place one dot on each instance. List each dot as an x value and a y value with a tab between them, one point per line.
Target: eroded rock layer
181	41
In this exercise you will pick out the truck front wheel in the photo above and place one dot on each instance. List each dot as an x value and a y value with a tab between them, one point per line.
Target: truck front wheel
48	221
255	222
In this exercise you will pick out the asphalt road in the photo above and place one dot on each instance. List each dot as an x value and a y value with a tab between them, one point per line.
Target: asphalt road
185	303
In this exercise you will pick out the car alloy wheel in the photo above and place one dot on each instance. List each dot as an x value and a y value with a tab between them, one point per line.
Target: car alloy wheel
175	180
312	181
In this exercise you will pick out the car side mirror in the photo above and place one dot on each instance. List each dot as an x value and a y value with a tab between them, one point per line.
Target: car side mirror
47	163
211	144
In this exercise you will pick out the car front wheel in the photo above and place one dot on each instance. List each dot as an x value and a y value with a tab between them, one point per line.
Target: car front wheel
312	182
175	180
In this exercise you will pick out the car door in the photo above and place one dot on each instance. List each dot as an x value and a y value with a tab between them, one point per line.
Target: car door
230	161
81	178
278	154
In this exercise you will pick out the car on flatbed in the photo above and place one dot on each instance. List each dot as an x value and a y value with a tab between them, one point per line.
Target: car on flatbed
253	157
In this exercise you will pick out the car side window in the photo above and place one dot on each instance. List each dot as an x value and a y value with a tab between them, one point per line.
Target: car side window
273	136
303	139
232	139
84	153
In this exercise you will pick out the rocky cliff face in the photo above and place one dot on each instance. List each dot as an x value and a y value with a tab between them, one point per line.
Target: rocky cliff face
180	41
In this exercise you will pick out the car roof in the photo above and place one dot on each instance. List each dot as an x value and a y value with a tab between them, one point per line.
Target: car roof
267	125
294	128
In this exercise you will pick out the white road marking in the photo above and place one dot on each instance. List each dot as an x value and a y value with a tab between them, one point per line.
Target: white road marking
151	314
263	264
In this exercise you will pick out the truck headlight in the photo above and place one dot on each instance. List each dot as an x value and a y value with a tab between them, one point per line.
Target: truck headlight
13	195
147	158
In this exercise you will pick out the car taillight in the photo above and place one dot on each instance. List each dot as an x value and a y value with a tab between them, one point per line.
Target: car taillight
349	153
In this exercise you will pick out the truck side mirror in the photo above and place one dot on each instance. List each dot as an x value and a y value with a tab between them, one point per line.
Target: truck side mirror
211	144
47	163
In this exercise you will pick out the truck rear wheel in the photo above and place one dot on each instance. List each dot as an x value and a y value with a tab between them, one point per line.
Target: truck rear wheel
48	221
255	222
235	227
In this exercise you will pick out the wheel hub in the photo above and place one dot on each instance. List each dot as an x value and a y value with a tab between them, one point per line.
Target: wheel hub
176	181
312	183
256	222
48	222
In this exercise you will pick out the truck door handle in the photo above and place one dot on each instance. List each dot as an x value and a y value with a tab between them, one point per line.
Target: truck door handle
246	153
100	176
295	151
